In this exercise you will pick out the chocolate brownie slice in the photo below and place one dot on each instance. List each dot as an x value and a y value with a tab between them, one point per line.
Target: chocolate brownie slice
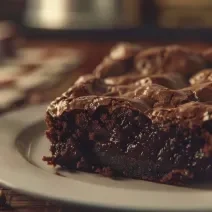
143	123
93	133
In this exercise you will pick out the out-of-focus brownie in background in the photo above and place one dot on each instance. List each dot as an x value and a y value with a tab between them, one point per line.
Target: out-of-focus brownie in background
31	75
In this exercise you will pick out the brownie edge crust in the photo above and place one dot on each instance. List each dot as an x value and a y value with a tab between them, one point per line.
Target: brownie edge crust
155	127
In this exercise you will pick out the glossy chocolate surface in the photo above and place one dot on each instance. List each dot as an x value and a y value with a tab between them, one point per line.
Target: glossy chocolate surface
148	108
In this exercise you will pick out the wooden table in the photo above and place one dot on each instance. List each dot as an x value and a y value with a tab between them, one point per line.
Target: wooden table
94	52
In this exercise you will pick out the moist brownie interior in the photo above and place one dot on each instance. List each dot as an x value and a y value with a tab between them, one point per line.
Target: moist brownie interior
142	113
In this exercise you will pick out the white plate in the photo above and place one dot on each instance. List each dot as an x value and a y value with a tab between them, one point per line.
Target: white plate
21	168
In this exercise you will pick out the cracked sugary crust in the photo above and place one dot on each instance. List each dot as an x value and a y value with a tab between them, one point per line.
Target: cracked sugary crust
137	108
154	95
169	59
201	77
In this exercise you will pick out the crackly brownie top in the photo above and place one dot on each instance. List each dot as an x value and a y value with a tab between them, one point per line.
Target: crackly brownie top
201	77
171	82
189	115
169	59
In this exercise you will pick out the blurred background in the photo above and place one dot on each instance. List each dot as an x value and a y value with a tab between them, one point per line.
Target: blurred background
94	14
163	13
143	17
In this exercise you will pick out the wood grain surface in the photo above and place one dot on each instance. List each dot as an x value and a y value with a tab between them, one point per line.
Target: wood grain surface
94	52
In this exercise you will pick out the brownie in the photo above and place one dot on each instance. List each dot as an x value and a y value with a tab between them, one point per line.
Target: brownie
156	118
119	61
170	80
167	59
201	77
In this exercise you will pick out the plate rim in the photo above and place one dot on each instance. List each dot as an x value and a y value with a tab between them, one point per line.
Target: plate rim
10	135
